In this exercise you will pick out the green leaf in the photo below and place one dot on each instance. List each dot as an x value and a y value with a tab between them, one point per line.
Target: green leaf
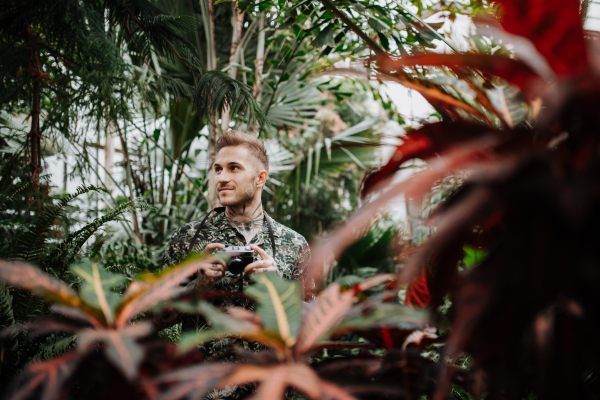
279	304
264	5
156	135
473	256
222	1
509	104
382	315
377	24
384	41
243	5
97	283
325	37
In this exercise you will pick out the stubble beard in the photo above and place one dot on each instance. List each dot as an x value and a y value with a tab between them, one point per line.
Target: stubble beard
244	195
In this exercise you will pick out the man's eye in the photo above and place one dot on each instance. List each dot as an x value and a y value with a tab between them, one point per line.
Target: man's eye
217	170
235	167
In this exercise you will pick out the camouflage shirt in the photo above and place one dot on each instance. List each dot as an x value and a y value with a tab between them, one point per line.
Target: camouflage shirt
292	258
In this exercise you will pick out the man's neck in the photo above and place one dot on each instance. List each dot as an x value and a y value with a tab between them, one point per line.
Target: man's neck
246	218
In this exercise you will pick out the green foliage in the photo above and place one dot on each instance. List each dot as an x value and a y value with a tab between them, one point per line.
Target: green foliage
217	92
30	245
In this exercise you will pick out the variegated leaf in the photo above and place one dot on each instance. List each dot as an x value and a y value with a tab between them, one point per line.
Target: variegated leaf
274	380
120	345
155	290
327	310
97	283
49	374
193	382
28	277
279	304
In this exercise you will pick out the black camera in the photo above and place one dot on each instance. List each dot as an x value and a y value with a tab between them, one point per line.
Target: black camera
239	258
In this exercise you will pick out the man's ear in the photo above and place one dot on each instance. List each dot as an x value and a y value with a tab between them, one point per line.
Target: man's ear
261	178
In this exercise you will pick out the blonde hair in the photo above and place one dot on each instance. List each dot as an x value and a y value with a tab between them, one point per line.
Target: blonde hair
253	144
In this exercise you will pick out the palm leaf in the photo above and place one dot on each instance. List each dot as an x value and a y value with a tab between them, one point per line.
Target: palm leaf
216	91
279	304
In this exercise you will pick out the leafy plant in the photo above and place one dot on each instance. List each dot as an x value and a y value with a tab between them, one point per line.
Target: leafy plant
98	317
294	333
525	203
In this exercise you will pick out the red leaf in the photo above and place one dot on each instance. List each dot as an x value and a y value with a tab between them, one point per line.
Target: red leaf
146	295
554	27
50	375
510	70
327	310
424	143
275	379
194	381
460	157
417	292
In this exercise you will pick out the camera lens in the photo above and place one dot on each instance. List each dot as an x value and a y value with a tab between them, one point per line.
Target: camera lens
236	265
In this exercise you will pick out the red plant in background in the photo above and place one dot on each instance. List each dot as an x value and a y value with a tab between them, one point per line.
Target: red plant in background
528	313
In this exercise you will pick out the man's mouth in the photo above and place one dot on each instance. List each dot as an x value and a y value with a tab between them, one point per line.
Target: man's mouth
222	189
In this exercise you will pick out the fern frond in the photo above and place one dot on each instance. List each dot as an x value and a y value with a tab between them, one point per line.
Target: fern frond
23	187
64	254
31	243
217	91
7	316
55	345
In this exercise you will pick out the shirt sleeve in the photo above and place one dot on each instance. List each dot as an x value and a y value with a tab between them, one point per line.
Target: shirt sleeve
177	248
302	262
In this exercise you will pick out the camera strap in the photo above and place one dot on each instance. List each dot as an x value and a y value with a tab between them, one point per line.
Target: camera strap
221	209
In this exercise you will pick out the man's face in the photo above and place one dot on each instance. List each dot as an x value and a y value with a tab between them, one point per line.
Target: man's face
235	176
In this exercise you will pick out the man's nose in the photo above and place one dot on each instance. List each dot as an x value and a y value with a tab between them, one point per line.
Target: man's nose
223	177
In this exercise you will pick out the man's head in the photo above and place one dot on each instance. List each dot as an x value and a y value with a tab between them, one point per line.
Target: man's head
241	168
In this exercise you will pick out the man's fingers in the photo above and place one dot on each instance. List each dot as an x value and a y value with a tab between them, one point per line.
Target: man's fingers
216	261
263	254
250	268
213	246
217	267
260	270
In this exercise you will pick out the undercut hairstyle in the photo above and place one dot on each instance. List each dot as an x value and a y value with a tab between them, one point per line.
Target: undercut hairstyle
253	144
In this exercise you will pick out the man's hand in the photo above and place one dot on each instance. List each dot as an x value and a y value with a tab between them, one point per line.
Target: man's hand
212	267
267	264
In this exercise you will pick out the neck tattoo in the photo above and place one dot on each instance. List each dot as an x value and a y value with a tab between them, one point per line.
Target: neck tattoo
247	223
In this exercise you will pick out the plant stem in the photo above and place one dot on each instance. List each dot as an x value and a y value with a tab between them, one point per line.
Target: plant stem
136	224
344	18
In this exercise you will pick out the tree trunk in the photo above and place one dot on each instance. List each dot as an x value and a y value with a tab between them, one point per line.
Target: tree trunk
237	21
109	150
260	56
213	127
34	137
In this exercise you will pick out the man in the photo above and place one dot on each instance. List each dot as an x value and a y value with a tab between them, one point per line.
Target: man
241	169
